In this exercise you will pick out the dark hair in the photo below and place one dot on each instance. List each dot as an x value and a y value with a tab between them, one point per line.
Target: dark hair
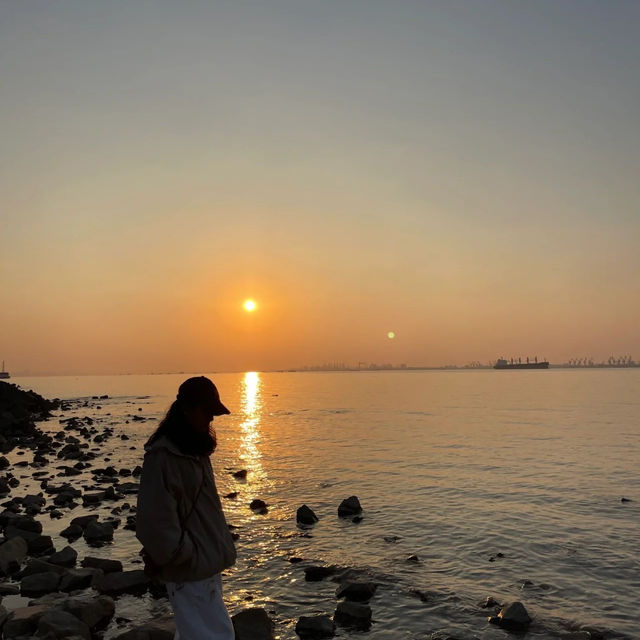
177	428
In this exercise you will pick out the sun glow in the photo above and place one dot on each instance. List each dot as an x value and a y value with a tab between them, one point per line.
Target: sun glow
249	305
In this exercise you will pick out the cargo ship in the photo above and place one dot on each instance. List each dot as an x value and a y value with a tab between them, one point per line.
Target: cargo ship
504	364
4	374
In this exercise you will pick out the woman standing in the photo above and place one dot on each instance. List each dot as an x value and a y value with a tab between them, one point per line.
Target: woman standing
180	522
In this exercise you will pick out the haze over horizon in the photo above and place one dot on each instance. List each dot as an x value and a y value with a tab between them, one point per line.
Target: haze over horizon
461	174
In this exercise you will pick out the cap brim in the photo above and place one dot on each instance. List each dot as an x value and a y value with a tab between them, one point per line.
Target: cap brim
221	410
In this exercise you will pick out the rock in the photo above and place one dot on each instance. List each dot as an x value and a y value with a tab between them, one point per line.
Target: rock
83	521
36	565
253	624
231	496
8	590
120	582
12	553
128	488
305	515
39	584
489	603
240	475
40	546
513	615
98	532
626	500
356	591
313	627
76	579
64	558
258	505
23	621
94	612
353	614
162	629
317	573
349	507
72	532
105	564
26	523
57	623
4	463
413	559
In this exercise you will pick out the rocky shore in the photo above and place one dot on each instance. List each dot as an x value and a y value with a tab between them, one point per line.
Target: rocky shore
62	595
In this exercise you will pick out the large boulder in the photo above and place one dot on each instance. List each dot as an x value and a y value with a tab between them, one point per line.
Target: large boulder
12	553
57	623
356	591
39	584
119	582
94	612
349	507
65	558
253	624
105	564
315	627
23	621
40	546
97	533
75	579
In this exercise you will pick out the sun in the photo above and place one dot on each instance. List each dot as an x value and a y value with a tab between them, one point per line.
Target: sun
391	335
249	305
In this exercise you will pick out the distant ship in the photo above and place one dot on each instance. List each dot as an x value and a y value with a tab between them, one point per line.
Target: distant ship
3	373
503	364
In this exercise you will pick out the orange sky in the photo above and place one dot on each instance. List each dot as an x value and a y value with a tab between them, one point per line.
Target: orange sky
465	178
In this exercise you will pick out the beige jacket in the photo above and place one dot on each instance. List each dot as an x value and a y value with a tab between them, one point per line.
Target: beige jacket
187	544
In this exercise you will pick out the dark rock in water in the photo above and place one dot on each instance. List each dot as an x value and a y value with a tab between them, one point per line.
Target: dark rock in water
349	507
513	615
25	523
489	603
72	532
137	471
259	506
253	624
83	521
94	612
40	546
36	565
93	498
295	559
57	623
162	629
105	564
356	591
39	584
128	488
317	573
357	519
4	463
231	496
12	553
65	558
240	475
305	515
23	621
392	539
315	627
98	532
413	559
353	614
626	500
120	582
76	579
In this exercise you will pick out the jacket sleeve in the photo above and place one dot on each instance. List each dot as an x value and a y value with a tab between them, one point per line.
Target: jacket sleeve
157	523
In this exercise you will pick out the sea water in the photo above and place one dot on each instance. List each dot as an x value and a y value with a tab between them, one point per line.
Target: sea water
502	483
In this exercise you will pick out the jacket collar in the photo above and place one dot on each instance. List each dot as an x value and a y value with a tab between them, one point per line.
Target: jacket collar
164	443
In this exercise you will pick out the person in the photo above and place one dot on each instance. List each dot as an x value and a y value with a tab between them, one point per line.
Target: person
180	522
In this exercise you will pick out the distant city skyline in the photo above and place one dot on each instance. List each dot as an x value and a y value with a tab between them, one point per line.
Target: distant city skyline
460	175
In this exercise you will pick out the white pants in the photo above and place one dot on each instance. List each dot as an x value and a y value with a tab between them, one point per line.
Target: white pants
199	610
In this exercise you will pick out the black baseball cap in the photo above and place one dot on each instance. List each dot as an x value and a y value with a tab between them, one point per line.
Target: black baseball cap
200	390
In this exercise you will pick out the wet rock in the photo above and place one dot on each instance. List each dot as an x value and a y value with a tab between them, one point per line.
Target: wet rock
36	565
12	553
240	475
413	559
40	546
72	532
349	507
57	623
253	624
231	496
97	533
76	579
128	488
4	463
357	519
120	582
23	621
137	471
39	584
353	614
83	521
315	627
23	523
305	515
489	603
93	498
513	615
316	573
64	558
356	591
8	590
626	500
104	564
162	629
94	612
259	506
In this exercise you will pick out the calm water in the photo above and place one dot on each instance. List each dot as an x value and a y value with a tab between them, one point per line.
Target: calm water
453	466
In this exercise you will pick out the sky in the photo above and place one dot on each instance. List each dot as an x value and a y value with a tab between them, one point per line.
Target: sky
464	174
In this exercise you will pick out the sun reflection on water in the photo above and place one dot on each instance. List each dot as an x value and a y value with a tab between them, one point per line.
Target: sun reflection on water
251	407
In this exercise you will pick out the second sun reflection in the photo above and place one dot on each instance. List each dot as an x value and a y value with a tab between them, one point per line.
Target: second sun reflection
250	452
